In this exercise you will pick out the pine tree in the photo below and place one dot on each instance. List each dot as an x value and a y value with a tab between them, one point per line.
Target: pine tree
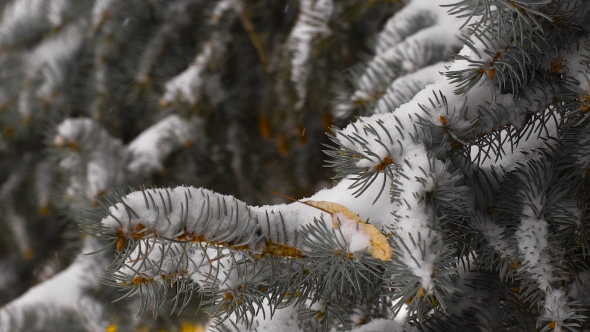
458	142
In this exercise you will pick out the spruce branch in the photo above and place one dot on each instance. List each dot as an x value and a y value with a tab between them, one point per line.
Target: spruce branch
196	240
311	25
84	271
412	39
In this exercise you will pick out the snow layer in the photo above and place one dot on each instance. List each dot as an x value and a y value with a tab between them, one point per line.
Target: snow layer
557	309
48	63
311	25
17	15
187	85
402	89
532	243
419	35
188	211
90	146
101	11
64	290
150	148
182	211
225	6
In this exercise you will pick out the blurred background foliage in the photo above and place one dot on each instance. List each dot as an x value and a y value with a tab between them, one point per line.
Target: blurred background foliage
252	128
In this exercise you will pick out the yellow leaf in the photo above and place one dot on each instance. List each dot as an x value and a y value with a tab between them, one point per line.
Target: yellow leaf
380	248
333	208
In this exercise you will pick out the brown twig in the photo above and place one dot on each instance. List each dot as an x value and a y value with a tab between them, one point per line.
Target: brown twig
247	23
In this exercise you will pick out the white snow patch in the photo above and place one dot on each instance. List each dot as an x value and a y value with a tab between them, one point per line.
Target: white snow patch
61	291
312	23
532	243
150	148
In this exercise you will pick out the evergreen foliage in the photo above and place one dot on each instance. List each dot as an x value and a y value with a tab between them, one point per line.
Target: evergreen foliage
458	141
